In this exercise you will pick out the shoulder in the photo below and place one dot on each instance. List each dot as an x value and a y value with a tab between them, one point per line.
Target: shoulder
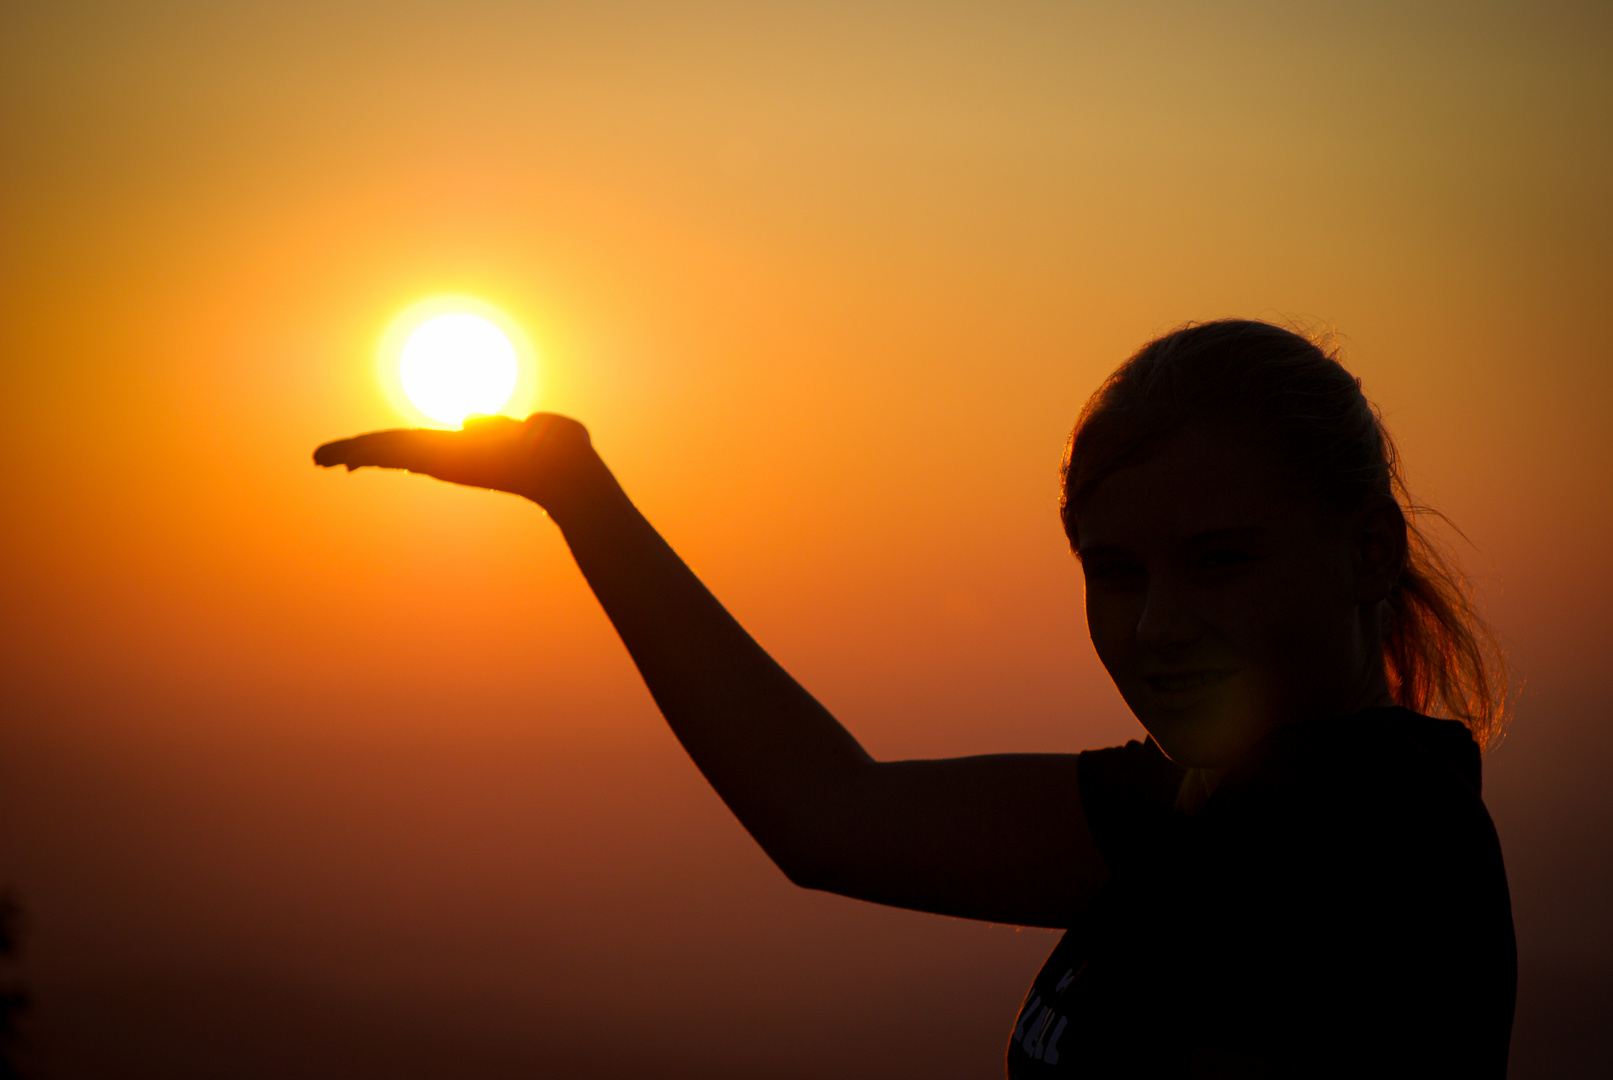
1385	791
1356	862
1138	765
1384	760
1377	754
1128	794
1374	821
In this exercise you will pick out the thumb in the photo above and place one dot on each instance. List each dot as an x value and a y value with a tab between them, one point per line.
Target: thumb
487	422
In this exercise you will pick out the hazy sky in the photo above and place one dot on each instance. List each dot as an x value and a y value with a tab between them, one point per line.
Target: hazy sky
828	282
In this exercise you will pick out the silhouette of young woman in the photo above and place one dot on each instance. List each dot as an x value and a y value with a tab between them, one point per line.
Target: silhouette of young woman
1293	876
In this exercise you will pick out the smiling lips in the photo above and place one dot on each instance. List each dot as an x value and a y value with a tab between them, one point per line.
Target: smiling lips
1184	681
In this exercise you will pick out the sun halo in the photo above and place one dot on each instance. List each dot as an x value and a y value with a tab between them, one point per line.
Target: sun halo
451	357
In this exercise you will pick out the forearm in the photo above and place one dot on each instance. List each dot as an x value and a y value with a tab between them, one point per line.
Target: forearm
772	752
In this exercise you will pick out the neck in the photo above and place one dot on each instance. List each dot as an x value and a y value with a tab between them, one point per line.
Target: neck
1197	787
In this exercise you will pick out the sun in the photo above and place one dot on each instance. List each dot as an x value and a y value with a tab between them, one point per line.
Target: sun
456	365
452	357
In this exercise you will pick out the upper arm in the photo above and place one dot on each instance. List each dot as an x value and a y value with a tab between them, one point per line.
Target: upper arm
1002	838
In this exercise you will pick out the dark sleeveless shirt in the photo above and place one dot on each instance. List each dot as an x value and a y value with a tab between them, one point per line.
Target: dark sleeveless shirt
1337	908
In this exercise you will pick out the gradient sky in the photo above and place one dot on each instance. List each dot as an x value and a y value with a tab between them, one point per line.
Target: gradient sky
828	283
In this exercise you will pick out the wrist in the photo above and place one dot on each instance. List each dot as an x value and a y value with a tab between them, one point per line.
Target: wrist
583	489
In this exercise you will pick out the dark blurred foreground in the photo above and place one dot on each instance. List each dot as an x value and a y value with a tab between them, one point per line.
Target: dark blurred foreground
178	1026
460	905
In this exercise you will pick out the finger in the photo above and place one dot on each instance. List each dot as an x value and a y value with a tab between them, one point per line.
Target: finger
417	449
534	431
328	455
539	431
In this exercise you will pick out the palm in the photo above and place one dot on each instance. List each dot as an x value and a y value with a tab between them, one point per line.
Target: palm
495	452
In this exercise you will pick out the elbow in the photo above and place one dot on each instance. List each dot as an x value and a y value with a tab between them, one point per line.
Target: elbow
817	839
803	862
805	874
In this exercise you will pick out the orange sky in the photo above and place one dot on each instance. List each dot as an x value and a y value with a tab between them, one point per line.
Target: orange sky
828	283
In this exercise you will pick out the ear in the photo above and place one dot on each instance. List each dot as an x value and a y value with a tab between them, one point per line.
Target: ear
1378	537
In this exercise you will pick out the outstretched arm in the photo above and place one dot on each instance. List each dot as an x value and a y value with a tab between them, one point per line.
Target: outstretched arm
1001	838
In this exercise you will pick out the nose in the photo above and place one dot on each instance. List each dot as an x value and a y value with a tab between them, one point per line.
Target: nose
1167	624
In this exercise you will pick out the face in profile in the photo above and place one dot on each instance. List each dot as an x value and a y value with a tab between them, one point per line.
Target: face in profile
1223	605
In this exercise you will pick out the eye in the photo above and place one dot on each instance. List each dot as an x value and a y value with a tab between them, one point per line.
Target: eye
1112	572
1222	558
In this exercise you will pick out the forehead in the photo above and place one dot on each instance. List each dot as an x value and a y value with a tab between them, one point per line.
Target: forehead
1201	480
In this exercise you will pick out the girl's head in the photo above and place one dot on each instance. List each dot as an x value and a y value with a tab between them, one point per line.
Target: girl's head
1249	552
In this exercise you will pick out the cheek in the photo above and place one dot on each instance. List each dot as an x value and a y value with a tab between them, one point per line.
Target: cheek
1112	625
1255	619
1289	625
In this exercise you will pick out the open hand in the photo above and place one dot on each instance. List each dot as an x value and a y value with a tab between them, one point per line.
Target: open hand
536	457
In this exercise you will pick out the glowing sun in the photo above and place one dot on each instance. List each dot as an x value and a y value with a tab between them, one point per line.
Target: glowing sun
455	365
454	357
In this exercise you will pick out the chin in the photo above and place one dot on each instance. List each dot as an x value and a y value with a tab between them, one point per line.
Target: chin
1212	736
1189	749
